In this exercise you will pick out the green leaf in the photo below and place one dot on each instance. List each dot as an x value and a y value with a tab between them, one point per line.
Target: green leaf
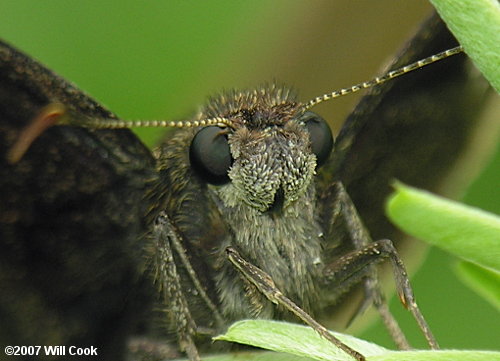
304	344
476	25
467	232
295	339
483	281
442	355
255	356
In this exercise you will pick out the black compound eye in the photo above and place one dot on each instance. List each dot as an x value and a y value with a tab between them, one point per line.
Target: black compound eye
210	155
320	135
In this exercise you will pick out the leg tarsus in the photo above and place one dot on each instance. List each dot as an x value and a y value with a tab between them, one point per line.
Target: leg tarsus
353	266
264	283
368	254
405	291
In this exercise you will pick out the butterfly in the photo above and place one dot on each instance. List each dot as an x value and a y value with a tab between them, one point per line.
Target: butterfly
76	208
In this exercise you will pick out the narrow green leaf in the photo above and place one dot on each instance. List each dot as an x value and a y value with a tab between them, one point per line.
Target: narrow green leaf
476	25
483	281
255	356
441	355
467	232
295	339
302	342
444	355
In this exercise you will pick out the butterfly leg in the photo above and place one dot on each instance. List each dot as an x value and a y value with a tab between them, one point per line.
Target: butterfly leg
264	283
170	287
360	264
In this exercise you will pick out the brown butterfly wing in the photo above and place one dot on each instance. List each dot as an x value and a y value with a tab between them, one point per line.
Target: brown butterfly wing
414	128
71	219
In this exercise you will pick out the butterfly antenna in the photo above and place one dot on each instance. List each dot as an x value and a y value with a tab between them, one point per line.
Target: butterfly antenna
379	80
98	123
58	114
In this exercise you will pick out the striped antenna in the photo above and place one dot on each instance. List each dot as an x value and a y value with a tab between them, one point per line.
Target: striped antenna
57	114
379	80
100	123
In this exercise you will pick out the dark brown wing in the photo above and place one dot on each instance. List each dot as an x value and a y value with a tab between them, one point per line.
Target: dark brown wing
71	219
413	128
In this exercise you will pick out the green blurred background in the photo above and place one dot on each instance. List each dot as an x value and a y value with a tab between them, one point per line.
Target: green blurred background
161	59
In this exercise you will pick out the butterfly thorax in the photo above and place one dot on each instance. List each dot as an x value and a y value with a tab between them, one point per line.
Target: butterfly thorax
269	202
285	244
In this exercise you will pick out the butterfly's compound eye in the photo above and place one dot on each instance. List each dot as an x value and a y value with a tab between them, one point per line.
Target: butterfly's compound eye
210	155
320	135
